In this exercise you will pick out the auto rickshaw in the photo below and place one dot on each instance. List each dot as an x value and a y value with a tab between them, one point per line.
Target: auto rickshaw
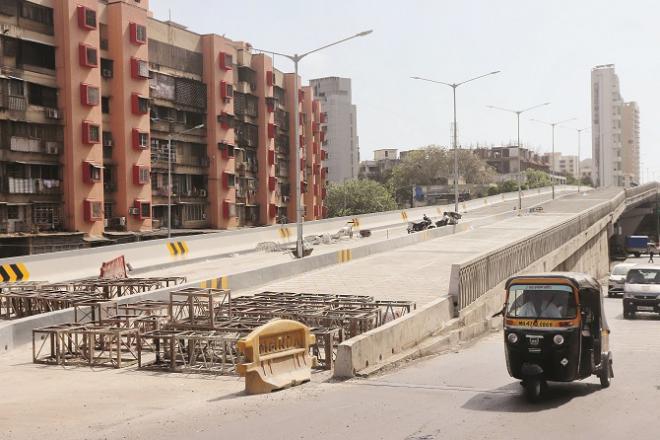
555	330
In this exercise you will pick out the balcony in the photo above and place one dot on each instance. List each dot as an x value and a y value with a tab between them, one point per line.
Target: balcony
33	186
13	103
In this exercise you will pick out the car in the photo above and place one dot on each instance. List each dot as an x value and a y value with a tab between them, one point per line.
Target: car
618	278
641	291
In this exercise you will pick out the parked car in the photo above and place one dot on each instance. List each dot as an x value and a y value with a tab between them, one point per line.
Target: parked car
618	279
641	292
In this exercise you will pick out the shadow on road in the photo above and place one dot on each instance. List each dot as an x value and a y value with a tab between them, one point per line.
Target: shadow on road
510	398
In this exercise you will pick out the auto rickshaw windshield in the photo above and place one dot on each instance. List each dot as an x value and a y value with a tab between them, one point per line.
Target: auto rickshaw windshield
541	301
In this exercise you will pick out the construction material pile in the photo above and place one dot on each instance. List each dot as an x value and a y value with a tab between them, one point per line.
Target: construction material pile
197	330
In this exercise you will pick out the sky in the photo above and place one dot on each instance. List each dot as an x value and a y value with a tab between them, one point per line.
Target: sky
544	49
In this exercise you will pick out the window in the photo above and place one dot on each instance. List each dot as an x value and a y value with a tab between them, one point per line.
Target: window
93	210
269	78
106	68
38	13
194	212
225	120
226	61
140	174
86	18
91	172
227	150
103	36
88	56
42	95
138	33
139	104
139	68
89	95
228	180
91	133
541	301
12	212
140	139
143	209
16	87
226	91
105	105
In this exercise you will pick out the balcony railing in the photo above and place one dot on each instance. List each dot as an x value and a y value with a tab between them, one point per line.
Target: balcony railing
33	186
13	103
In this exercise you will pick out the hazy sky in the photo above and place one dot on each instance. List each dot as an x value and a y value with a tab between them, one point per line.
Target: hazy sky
545	50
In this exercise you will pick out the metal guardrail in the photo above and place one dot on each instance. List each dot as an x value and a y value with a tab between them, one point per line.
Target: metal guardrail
478	276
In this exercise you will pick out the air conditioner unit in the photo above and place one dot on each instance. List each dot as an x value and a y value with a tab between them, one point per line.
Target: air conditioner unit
203	216
105	222
107	142
52	113
202	193
133	211
106	73
122	220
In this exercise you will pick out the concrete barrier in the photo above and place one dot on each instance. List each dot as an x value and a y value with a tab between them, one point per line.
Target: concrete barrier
69	265
396	336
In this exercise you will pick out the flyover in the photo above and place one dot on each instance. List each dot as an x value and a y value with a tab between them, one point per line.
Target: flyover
454	279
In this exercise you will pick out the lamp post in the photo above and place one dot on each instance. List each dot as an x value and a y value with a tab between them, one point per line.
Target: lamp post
518	113
552	167
579	168
296	59
454	86
169	177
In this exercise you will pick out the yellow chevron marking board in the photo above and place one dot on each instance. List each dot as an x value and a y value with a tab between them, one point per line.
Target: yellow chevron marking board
177	248
12	272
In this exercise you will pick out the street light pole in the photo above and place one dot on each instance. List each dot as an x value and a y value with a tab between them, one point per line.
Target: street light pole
169	177
518	113
296	59
552	158
454	86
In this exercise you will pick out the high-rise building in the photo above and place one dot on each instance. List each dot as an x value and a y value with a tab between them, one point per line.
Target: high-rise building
98	99
630	135
609	149
340	127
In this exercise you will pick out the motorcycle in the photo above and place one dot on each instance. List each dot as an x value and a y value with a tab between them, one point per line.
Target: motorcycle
448	218
424	224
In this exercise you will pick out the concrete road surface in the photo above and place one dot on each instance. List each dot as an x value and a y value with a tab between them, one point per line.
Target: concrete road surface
462	395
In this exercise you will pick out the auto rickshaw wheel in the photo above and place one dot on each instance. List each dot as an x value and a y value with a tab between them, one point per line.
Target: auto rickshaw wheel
533	389
604	374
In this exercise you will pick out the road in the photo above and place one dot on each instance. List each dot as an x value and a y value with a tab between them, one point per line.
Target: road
462	395
466	394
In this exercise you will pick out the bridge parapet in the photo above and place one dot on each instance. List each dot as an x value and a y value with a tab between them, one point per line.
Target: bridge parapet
471	279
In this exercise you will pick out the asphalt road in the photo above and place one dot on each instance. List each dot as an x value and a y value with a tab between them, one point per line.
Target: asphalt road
462	395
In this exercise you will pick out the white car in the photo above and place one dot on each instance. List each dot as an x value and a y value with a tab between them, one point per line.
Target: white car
618	279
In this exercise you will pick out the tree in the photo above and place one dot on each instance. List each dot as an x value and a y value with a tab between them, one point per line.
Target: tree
434	165
586	181
537	179
355	197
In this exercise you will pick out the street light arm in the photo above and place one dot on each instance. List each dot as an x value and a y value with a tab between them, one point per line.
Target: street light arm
534	107
433	81
360	34
503	109
478	77
564	121
291	57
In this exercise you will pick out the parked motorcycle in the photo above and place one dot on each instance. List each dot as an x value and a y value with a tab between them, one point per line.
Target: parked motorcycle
424	224
448	218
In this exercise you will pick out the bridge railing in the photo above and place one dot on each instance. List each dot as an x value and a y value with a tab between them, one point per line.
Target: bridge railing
633	193
478	276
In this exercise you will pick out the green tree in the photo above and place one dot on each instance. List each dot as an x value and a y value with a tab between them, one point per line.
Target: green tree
586	180
508	186
355	197
434	165
537	179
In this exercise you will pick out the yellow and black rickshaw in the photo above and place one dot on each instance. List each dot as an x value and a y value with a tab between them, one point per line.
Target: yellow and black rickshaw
555	330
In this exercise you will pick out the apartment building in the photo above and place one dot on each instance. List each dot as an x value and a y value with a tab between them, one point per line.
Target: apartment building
341	127
510	160
630	139
100	102
615	131
563	164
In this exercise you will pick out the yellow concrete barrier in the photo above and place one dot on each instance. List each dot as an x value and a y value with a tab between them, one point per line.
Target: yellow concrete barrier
277	356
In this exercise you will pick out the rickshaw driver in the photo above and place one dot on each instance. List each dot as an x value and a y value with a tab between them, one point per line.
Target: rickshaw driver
539	304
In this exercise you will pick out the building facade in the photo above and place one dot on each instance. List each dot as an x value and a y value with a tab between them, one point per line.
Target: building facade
563	164
615	159
340	127
510	160
98	100
630	139
384	160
